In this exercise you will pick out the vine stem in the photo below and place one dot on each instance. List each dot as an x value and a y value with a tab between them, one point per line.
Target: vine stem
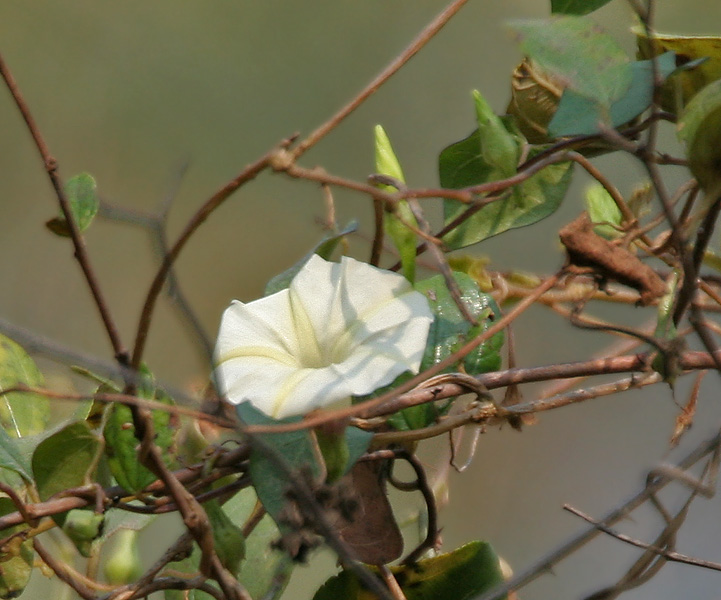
249	172
81	253
411	50
546	563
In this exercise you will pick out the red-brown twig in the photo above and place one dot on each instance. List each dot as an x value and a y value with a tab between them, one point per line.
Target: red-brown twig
545	564
63	572
248	173
419	42
81	253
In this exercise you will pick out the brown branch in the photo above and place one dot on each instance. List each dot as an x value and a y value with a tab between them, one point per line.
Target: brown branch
226	460
125	399
483	412
173	583
419	42
391	583
81	253
663	552
248	173
194	517
546	563
63	573
421	484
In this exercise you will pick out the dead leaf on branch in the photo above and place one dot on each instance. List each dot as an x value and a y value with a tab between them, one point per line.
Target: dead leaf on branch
589	250
373	534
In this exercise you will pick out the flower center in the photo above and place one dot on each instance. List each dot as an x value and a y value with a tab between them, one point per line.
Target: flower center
313	355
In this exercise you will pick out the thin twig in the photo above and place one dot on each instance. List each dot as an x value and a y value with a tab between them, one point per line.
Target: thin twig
667	554
34	343
421	483
547	562
419	42
156	224
123	399
210	205
62	572
81	253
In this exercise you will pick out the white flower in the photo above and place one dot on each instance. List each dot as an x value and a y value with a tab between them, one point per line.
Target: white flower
341	329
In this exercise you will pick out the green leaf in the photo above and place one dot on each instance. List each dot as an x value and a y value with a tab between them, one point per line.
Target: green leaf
324	249
579	53
700	129
21	413
121	444
358	441
602	209
16	571
450	330
385	157
462	165
82	194
393	222
579	115
448	333
462	574
122	447
12	460
499	147
576	7
294	448
65	459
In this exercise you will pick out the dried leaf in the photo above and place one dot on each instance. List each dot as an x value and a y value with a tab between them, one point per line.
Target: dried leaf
373	534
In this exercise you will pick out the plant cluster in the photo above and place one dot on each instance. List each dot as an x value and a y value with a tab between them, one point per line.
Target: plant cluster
320	387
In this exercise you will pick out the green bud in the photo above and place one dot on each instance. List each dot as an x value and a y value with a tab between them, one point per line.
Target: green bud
334	448
228	537
83	527
124	565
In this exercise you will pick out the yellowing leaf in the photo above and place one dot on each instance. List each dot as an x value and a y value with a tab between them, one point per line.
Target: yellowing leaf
459	575
684	85
700	129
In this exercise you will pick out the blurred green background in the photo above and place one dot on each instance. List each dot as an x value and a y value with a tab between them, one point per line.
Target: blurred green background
131	91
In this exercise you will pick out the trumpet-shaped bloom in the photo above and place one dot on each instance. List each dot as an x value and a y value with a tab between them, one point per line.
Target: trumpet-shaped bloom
340	330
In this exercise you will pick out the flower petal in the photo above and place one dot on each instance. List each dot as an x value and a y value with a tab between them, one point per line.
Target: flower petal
341	329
